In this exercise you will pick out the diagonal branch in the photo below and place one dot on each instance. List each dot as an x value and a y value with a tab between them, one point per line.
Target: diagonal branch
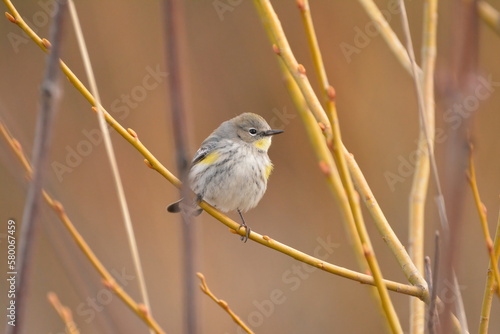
222	303
390	37
58	208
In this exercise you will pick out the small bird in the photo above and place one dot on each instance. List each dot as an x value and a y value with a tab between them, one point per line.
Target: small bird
230	169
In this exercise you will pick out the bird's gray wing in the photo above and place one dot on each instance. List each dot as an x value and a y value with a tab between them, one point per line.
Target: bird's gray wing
207	147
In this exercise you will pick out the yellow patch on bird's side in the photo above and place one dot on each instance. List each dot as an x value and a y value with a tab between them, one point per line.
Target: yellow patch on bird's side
269	170
263	144
210	158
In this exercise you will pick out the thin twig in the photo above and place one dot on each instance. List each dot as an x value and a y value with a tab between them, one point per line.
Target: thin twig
459	305
431	326
222	303
481	209
64	313
327	91
423	103
127	220
50	94
173	17
490	288
428	271
58	208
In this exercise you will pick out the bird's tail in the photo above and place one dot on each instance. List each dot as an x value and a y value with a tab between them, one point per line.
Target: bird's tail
181	205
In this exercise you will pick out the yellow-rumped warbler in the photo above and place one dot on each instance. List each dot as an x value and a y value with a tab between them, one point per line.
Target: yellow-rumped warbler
231	168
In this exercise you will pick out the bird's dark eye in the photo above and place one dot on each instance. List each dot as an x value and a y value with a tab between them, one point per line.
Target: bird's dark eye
252	131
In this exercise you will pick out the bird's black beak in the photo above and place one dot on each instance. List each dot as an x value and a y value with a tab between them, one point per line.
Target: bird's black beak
272	132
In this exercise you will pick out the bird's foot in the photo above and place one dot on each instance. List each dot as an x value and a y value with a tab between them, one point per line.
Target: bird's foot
244	238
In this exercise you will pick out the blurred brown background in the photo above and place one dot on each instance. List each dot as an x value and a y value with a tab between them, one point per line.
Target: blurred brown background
229	68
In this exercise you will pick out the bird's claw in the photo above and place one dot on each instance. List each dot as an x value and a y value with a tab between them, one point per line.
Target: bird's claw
244	238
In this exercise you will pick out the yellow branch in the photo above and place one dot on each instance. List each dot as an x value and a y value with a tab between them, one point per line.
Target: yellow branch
420	183
327	166
489	289
413	275
326	161
298	72
222	303
326	89
388	35
481	210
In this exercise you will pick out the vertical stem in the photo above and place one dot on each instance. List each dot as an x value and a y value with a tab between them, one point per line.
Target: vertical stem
461	81
173	16
108	145
28	235
420	184
353	198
